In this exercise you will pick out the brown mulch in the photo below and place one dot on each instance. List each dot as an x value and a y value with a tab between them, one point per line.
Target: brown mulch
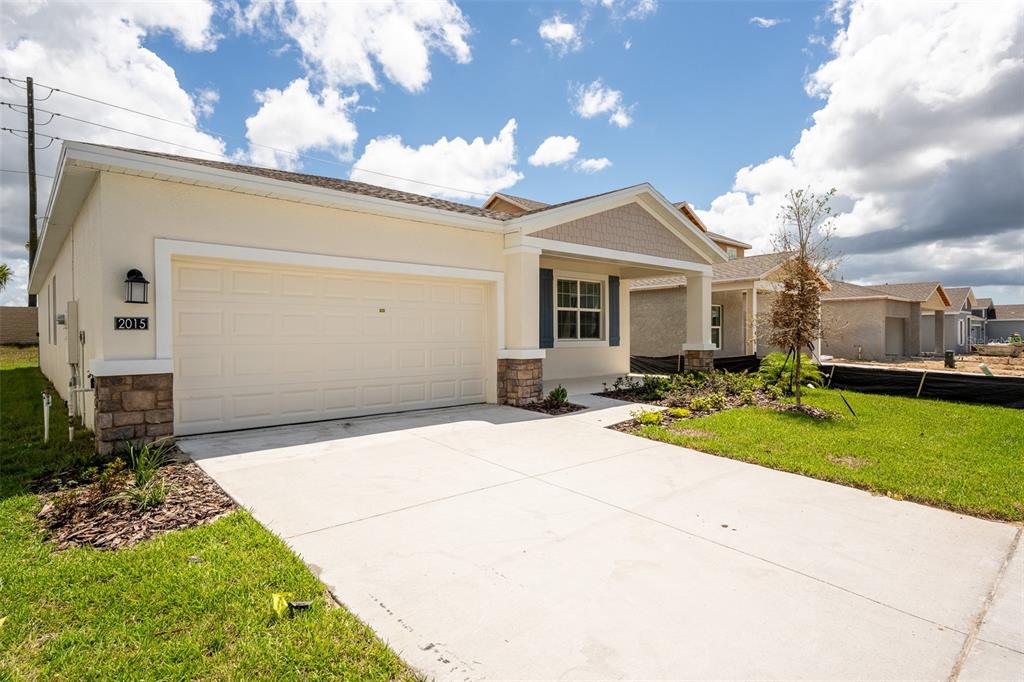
547	408
809	410
848	461
82	518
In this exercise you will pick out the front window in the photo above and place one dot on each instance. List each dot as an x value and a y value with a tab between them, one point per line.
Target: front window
716	326
730	251
579	309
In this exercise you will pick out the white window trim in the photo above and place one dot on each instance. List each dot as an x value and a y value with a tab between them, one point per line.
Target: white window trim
721	319
586	277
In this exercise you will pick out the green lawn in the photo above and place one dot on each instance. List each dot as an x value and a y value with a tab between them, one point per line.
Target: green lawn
191	604
968	458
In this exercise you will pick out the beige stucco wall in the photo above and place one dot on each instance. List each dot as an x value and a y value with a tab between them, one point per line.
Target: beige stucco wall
75	275
626	228
589	358
658	321
18	324
854	329
137	211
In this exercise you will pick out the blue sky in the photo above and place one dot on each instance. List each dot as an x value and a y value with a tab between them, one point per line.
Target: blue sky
712	91
917	121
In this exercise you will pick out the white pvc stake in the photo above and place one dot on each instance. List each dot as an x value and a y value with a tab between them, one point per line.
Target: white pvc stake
47	400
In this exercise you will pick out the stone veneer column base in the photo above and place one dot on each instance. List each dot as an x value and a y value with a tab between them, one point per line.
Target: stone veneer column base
134	408
699	360
519	381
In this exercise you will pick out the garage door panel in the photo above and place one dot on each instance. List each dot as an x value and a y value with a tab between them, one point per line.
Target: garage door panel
259	345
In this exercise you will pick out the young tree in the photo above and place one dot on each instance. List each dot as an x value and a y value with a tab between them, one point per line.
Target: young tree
5	275
805	230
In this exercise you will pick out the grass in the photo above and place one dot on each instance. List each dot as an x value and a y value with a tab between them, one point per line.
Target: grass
193	604
968	458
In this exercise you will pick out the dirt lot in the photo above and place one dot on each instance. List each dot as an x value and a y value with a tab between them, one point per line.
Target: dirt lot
967	364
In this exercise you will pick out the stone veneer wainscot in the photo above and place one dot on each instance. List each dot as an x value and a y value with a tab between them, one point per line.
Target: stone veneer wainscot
519	381
135	409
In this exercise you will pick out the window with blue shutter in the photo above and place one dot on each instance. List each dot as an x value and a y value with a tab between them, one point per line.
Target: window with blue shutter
547	312
613	310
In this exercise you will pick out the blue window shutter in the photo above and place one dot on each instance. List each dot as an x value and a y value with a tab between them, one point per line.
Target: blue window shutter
613	310
547	311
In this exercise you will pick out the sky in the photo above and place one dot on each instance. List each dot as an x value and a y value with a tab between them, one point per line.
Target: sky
914	112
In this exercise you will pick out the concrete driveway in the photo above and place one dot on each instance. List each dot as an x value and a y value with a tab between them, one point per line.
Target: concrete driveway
493	543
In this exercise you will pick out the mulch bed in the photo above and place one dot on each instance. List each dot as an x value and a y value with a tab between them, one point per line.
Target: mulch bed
83	518
547	408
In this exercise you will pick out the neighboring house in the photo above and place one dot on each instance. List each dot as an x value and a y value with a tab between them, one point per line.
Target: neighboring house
18	324
278	297
963	327
1005	320
877	322
741	294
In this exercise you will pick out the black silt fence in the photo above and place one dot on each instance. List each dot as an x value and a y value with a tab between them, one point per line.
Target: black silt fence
965	388
671	364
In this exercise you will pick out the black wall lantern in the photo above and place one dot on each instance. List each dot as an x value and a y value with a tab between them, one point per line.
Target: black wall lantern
136	287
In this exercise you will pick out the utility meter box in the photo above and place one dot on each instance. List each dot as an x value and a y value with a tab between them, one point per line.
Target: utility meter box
74	347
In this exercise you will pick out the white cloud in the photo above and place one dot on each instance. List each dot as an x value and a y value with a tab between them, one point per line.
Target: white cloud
345	42
595	100
627	9
765	22
294	120
94	49
205	101
592	165
561	36
555	150
454	168
922	132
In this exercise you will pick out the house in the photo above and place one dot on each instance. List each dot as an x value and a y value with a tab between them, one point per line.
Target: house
878	322
741	293
198	296
963	326
1005	321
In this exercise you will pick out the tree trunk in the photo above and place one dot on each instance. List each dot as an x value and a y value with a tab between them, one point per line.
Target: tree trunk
796	378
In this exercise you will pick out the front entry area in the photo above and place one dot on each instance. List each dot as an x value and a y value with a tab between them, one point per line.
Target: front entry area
259	344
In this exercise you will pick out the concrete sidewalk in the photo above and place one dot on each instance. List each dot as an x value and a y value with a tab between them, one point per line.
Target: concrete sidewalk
488	542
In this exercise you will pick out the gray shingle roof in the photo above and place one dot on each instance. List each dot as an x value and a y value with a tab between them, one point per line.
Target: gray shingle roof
1013	311
526	204
721	237
912	291
845	290
349	186
750	267
984	302
957	296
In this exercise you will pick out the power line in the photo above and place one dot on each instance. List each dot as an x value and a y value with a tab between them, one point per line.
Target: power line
12	170
198	128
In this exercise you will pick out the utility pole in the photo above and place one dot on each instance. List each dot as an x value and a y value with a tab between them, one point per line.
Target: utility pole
33	238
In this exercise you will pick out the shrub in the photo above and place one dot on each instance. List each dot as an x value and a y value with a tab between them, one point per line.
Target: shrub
557	397
678	412
747	397
647	417
145	461
152	494
708	402
777	372
655	387
111	478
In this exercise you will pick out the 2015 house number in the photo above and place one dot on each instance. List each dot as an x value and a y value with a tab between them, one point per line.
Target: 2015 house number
137	323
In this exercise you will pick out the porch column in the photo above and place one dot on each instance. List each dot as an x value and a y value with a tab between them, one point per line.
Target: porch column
940	332
914	330
520	358
750	320
698	350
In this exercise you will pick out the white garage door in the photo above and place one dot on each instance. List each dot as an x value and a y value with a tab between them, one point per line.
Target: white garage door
259	345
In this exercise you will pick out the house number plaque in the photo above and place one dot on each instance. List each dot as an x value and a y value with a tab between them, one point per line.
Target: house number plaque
138	323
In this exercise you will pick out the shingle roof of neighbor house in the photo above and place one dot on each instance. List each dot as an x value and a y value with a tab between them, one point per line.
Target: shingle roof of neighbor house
984	302
522	202
957	296
1013	311
325	182
848	290
912	291
751	267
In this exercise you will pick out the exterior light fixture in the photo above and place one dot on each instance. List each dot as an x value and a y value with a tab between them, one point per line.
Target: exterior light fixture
136	287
